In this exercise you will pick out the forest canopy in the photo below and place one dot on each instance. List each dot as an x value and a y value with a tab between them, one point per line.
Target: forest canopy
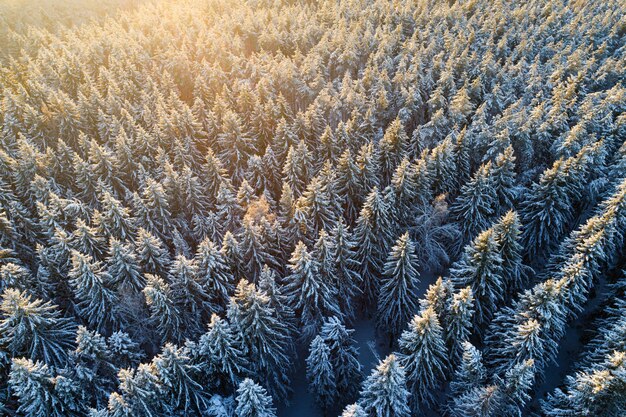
201	200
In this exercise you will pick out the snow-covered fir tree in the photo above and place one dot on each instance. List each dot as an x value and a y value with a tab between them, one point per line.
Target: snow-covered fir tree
397	299
384	392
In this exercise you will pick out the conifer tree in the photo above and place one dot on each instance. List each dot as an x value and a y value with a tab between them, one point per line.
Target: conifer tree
163	309
177	376
265	337
345	268
343	357
518	382
480	267
123	267
424	356
231	251
153	258
188	293
318	203
384	392
508	236
308	293
92	287
397	300
220	353
40	394
253	401
320	373
372	235
476	205
34	329
484	401
458	322
114	220
393	148
596	390
124	351
353	410
235	143
140	394
214	274
471	372
269	285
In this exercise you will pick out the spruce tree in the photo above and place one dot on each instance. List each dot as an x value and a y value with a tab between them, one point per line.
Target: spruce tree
384	392
424	356
308	293
343	357
34	329
397	300
353	410
140	394
253	401
595	390
214	274
123	267
480	267
345	268
153	258
178	377
476	205
265	337
93	288
163	310
471	372
40	394
458	322
320	373
393	148
221	355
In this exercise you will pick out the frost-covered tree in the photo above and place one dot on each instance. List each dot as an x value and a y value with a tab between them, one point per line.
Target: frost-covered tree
392	148
214	274
320	373
34	329
424	356
484	401
596	390
344	357
471	372
123	267
266	339
163	310
458	322
476	205
480	267
353	410
93	288
308	293
177	376
40	393
345	268
508	232
397	300
139	394
384	392
188	293
153	257
372	235
253	401
268	284
221	355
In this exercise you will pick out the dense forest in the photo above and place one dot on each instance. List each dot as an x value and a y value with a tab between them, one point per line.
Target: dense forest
201	199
